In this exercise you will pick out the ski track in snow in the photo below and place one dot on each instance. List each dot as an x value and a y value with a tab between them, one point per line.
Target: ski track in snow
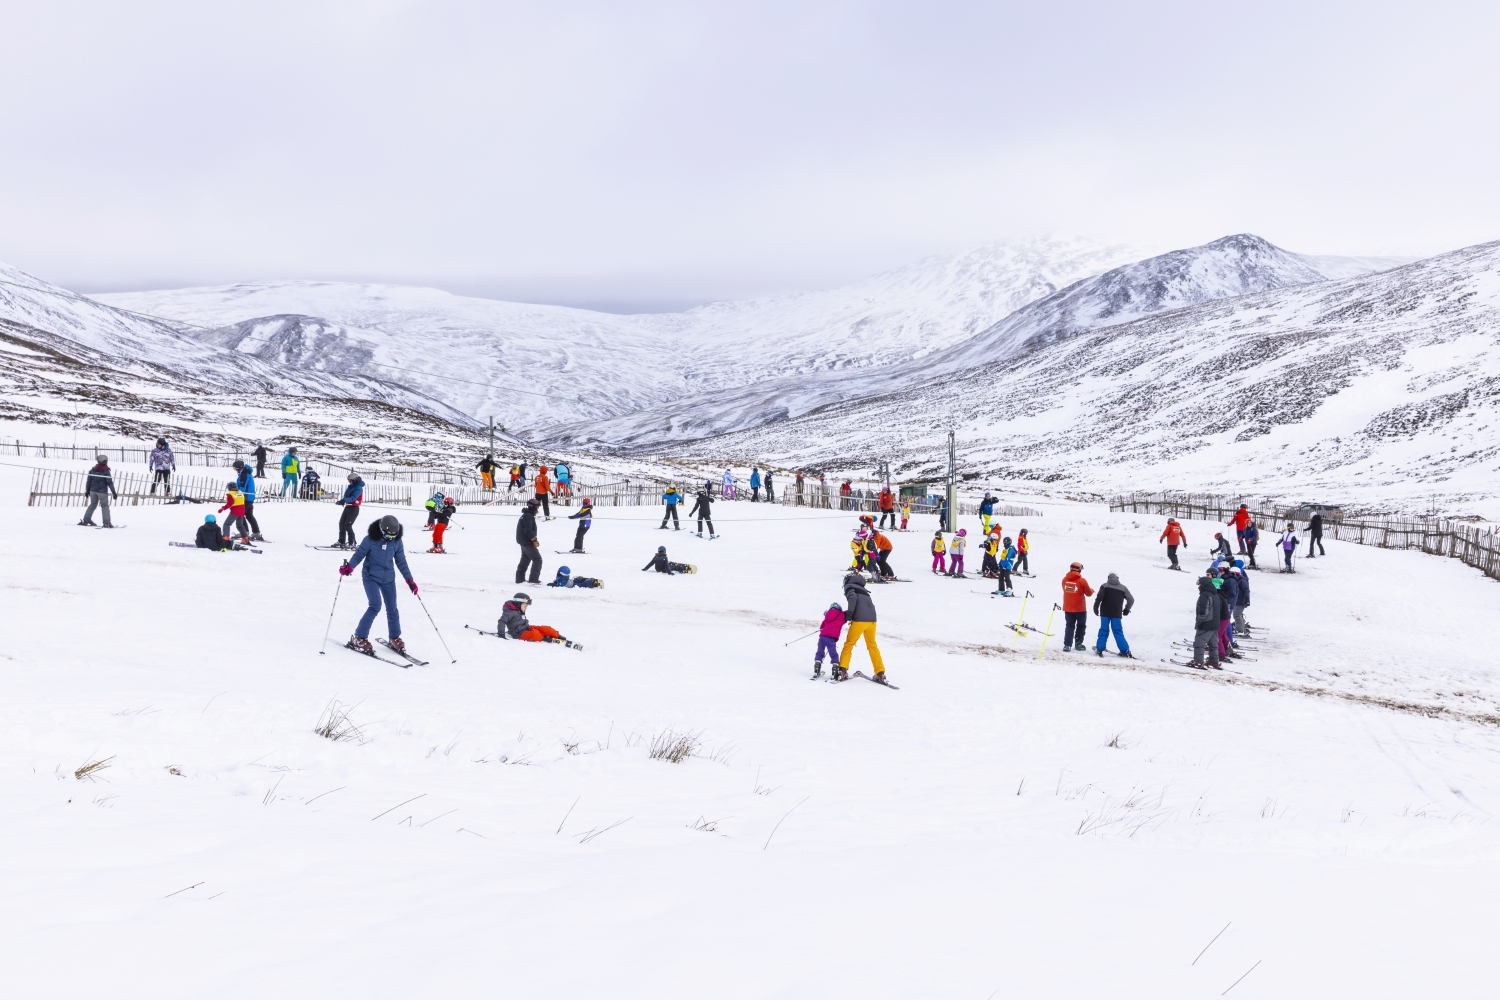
956	838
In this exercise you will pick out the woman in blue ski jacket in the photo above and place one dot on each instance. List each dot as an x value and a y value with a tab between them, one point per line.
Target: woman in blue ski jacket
382	554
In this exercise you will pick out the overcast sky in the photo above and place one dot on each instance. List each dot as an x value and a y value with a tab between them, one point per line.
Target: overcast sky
633	154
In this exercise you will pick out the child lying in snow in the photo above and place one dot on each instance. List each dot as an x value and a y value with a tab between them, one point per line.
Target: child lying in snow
661	565
565	579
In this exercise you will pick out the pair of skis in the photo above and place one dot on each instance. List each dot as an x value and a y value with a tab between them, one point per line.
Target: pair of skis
407	660
190	545
566	642
857	673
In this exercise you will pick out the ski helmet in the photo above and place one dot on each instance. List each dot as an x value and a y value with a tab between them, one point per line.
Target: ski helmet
587	502
963	531
661	549
835	606
102	459
389	526
231	484
447	499
238	463
210	519
524	598
563	571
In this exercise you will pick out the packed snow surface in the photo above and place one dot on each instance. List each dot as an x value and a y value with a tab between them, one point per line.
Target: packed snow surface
1004	824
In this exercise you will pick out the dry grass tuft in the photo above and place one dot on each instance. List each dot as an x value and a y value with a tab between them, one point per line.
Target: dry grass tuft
91	768
335	724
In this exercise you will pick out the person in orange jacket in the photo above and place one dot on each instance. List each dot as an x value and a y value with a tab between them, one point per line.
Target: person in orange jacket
1075	605
1239	520
543	487
1173	536
1023	554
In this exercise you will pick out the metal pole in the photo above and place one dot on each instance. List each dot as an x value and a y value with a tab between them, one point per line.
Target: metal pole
952	524
492	435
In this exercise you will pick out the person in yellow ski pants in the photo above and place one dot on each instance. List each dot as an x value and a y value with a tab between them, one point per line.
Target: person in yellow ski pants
858	630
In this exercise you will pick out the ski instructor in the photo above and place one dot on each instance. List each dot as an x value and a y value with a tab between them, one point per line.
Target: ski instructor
382	553
531	555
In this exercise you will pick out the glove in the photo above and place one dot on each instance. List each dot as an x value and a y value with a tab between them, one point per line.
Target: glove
1125	612
412	584
345	569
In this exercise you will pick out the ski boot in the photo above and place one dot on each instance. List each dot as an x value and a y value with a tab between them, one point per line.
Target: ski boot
257	537
712	537
817	669
398	644
700	534
1127	655
86	524
360	645
437	550
1067	649
879	677
838	673
1099	653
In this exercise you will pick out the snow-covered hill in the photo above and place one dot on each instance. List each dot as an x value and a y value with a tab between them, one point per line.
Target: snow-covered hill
1381	390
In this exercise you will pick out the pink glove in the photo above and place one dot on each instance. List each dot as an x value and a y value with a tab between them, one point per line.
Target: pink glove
345	569
412	584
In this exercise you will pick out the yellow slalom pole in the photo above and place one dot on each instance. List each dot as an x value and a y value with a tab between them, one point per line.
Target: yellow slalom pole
1047	633
1017	630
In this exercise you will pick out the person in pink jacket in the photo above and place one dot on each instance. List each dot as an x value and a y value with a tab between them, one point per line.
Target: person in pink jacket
828	637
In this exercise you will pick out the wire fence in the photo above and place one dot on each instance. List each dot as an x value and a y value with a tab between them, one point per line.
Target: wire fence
1471	545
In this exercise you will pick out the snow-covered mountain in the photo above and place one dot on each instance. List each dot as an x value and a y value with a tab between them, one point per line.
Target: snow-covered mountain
1381	390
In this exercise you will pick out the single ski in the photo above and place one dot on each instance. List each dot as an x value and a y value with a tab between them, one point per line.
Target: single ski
401	652
884	684
191	545
570	552
376	656
1023	627
481	631
331	548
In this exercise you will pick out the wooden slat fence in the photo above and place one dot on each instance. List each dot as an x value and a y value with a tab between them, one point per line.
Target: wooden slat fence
1471	545
66	488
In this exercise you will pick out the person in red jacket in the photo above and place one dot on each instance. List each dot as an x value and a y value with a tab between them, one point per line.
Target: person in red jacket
1174	537
887	506
1239	520
1076	592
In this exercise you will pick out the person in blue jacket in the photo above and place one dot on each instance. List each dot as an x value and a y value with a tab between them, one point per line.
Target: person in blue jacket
291	471
585	518
354	495
246	483
755	485
382	554
671	498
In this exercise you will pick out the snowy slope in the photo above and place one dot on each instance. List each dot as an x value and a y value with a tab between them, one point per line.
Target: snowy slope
1006	824
549	364
1382	390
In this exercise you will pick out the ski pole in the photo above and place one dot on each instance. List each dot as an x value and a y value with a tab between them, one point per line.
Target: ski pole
1050	616
1016	638
451	657
800	638
329	630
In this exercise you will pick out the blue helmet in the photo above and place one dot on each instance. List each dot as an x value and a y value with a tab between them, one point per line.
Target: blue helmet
563	571
210	519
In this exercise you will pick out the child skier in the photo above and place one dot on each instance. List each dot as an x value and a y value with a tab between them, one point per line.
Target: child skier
1004	562
703	511
660	563
234	502
515	478
956	554
433	503
828	638
382	553
444	515
208	536
1289	543
514	624
905	512
585	519
938	550
565	578
986	511
988	566
671	498
354	496
1023	549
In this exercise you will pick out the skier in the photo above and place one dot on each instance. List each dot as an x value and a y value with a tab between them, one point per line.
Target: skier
585	519
523	475
883	548
260	455
354	496
531	555
1239	520
444	515
246	483
433	503
565	578
956	554
1076	592
1242	627
770	488
564	482
513	623
670	498
1231	589
1112	604
861	618
828	638
208	536
755	484
1252	539
1006	560
543	487
486	467
887	506
99	488
382	553
727	493
943	513
311	485
162	464
1226	596
703	511
989	568
799	482
905	511
1173	536
846	495
1221	549
1023	554
986	511
291	468
1315	536
515	478
1289	543
1206	625
938	550
660	563
234	502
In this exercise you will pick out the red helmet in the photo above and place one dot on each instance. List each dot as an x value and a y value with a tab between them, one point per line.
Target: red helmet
587	502
448	500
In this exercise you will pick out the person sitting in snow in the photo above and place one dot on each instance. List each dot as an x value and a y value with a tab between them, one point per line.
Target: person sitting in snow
208	536
514	624
660	563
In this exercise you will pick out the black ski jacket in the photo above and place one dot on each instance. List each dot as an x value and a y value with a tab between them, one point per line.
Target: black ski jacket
101	480
1244	590
208	537
1221	548
486	465
526	530
704	506
659	561
1315	526
1114	599
512	620
1206	614
1230	593
861	607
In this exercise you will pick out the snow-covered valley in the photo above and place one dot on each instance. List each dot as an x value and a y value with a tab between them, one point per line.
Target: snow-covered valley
1061	825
